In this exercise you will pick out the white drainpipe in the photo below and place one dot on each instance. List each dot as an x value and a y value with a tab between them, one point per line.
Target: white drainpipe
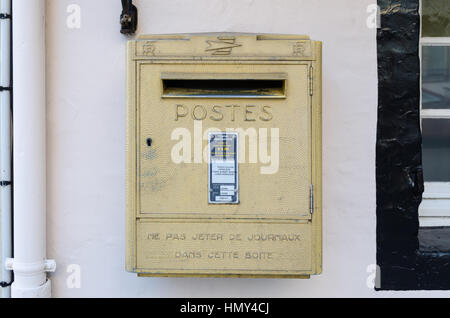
5	144
30	265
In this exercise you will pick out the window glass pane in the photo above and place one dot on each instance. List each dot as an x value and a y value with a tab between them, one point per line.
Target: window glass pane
436	150
436	77
435	18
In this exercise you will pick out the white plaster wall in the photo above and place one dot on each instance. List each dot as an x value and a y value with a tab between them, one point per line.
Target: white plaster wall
86	141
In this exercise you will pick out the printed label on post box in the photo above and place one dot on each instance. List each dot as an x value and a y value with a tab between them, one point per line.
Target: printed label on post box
223	168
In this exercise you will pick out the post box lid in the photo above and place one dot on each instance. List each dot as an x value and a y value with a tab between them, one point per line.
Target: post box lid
225	46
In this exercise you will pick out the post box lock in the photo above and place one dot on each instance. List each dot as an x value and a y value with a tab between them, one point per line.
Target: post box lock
232	187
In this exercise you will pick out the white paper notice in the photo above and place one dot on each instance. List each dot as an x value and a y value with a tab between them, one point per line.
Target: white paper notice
223	172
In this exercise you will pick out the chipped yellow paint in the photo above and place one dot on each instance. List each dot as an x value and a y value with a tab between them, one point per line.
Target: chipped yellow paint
172	230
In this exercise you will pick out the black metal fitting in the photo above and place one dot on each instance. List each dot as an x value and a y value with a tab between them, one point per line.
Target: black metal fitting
5	284
128	18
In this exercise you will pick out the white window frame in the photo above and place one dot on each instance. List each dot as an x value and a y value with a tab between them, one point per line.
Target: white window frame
435	208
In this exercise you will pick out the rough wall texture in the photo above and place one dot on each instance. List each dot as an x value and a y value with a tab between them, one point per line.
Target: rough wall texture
399	163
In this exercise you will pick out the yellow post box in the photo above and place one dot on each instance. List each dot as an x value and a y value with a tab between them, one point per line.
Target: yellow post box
224	156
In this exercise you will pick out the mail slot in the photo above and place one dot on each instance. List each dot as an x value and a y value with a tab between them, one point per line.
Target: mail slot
224	159
224	85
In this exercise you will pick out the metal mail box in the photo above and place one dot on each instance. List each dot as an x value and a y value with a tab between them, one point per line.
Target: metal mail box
224	156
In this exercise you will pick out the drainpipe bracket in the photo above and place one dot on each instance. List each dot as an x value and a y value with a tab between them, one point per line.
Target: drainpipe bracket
48	266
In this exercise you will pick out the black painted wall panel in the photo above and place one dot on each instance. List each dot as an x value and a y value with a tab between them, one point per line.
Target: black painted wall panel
399	155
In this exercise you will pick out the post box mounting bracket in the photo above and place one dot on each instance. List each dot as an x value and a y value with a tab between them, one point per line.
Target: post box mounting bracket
128	18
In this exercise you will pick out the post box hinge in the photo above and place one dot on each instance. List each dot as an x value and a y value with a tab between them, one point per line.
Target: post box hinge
312	199
311	81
